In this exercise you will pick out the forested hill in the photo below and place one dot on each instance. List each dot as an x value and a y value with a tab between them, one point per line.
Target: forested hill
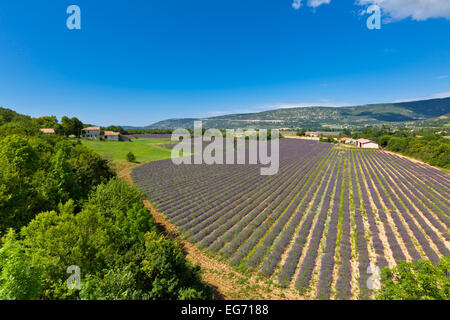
322	117
439	122
8	115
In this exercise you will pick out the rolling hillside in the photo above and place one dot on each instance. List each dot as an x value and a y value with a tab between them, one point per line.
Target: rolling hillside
322	117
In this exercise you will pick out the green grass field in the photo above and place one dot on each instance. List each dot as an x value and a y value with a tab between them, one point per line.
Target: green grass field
144	149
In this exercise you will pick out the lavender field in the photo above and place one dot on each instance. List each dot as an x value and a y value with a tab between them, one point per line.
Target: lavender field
315	226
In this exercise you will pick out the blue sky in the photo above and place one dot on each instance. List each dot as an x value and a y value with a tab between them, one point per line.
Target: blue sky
136	62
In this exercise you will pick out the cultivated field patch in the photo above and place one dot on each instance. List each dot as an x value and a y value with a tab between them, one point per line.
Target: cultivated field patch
316	226
145	149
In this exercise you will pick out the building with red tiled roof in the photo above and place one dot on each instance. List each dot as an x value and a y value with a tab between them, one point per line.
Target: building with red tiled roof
111	136
92	132
367	144
96	133
48	130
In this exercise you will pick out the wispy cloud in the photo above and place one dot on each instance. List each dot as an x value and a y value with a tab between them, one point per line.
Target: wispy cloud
438	95
395	10
441	95
311	3
442	77
415	9
317	3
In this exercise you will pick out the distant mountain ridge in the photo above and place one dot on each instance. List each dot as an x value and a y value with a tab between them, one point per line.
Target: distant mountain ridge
321	117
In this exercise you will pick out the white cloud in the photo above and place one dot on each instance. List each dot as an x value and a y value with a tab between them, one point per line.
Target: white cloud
442	77
415	9
316	3
441	95
297	4
395	10
311	3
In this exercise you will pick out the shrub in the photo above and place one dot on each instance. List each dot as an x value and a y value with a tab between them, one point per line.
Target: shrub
114	241
131	157
37	173
18	279
422	280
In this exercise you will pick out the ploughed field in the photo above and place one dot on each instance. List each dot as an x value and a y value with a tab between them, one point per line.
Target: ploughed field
319	223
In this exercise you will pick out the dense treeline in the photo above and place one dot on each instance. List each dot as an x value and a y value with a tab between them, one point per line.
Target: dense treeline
115	129
8	115
14	123
61	206
424	145
431	149
114	242
39	172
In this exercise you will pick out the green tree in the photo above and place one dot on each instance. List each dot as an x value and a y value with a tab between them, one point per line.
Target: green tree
114	241
115	196
90	168
384	141
39	172
115	284
19	280
19	154
165	267
116	129
346	133
18	162
21	127
47	122
131	157
71	126
327	139
56	240
416	281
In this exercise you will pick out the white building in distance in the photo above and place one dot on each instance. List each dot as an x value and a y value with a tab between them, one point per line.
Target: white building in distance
367	144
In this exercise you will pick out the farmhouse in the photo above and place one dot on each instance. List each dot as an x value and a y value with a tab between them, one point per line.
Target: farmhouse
47	130
111	136
92	132
367	144
347	140
95	133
